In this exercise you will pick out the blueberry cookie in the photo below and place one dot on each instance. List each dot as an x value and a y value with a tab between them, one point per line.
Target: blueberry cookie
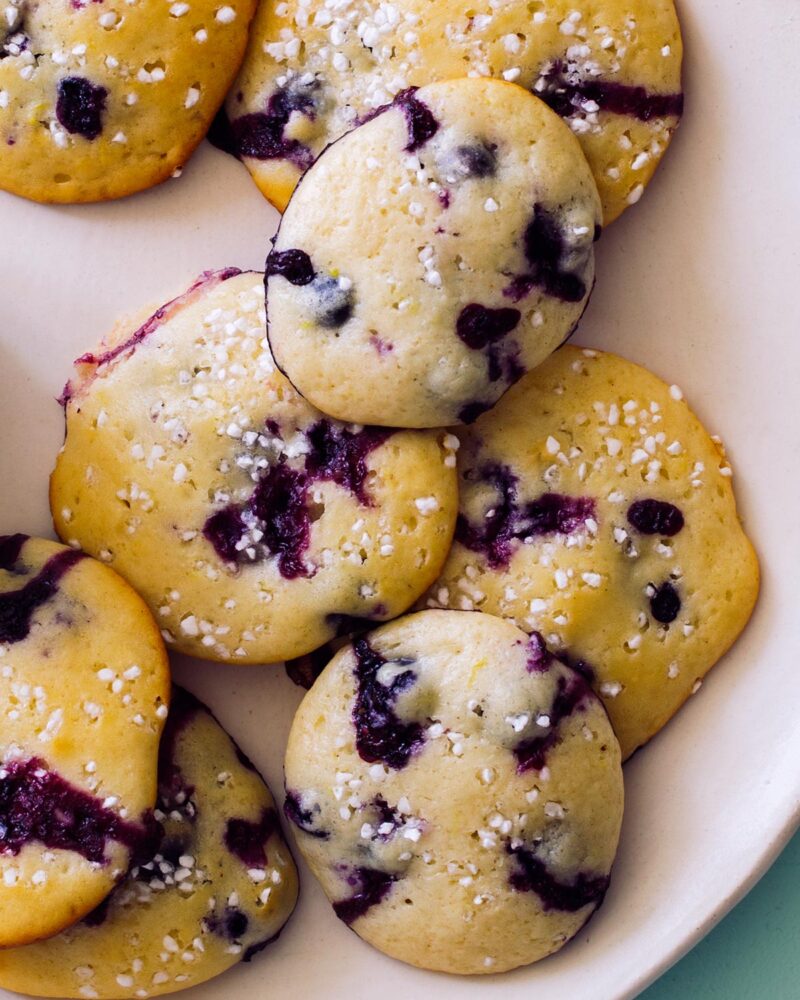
215	889
98	100
432	256
457	791
253	525
597	510
611	69
84	689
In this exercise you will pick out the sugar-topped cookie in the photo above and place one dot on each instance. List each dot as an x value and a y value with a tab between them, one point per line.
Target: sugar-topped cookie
314	69
252	524
98	100
216	888
84	689
598	511
432	256
457	791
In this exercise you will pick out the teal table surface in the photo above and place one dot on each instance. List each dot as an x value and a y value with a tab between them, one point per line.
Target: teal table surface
754	953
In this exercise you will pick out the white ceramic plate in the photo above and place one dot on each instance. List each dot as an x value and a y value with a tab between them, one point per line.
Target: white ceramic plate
700	283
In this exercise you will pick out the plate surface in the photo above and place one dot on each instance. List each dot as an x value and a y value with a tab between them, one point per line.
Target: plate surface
698	282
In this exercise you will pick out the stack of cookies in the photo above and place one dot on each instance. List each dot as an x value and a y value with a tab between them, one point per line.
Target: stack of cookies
137	839
277	466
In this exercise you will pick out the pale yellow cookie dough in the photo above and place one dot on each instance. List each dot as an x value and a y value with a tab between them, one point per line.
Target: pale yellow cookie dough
457	792
612	68
217	889
432	256
597	510
249	522
84	689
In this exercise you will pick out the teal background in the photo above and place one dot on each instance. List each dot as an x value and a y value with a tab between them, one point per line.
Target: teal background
754	954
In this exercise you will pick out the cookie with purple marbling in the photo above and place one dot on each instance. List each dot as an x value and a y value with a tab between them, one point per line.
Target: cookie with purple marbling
432	256
215	889
597	510
457	791
84	689
253	525
99	100
611	69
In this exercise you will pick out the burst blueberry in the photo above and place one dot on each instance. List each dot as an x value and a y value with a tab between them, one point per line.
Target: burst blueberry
17	607
420	120
80	106
665	604
381	736
655	517
371	885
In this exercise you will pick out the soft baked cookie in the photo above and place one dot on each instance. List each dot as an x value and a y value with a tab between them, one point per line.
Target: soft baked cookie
98	100
84	689
215	890
432	256
611	68
597	510
251	523
457	791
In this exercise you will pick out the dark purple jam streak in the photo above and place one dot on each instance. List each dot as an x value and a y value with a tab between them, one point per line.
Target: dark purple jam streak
261	134
371	885
655	517
380	735
340	455
665	604
570	696
246	839
80	105
37	805
550	513
279	503
303	819
162	315
533	875
17	607
422	125
566	96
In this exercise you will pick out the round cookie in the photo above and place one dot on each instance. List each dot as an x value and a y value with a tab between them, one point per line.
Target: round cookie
99	100
457	791
252	525
216	889
440	250
84	689
597	510
611	68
